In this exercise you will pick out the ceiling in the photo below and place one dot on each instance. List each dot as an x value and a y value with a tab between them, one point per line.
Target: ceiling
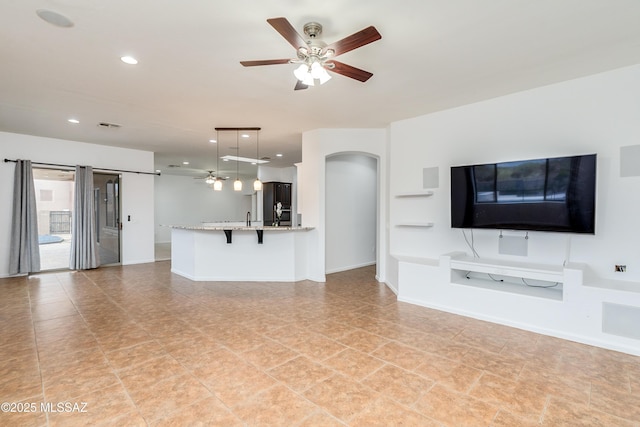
433	55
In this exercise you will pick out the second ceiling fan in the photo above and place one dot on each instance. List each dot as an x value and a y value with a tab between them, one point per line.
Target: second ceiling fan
316	57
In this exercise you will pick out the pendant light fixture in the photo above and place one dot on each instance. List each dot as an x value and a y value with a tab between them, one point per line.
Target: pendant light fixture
257	184
217	185
237	184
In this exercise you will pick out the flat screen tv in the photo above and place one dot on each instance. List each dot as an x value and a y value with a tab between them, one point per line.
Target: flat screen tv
554	194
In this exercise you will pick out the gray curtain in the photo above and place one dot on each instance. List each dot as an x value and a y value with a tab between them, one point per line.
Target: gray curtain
84	239
24	256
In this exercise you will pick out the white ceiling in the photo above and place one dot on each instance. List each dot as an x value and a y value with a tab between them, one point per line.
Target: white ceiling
433	55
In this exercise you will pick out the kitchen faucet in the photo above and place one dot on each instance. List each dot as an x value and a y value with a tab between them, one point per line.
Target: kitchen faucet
248	218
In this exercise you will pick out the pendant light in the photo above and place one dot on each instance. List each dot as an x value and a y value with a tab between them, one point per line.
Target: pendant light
257	184
217	185
237	184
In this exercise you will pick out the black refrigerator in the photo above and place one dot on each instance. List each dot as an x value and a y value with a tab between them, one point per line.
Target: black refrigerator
272	193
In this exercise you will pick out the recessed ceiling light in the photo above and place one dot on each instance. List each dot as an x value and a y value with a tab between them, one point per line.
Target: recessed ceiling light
185	163
158	171
278	155
54	18
225	160
213	141
244	135
74	121
129	60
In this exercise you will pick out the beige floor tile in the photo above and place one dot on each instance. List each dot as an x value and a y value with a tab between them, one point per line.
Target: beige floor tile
517	397
506	419
353	363
362	340
384	412
301	373
612	401
341	396
450	373
243	382
277	406
20	388
321	419
167	396
206	412
143	346
136	355
562	413
269	355
398	384
142	377
454	408
498	364
400	355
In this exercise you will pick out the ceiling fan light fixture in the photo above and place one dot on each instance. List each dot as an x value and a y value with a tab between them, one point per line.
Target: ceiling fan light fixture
308	80
210	180
324	76
316	70
301	72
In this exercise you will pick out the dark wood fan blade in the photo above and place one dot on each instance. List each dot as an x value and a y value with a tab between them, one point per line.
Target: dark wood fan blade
264	62
300	85
349	71
354	41
287	31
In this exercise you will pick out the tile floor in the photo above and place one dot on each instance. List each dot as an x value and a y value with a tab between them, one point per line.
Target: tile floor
141	346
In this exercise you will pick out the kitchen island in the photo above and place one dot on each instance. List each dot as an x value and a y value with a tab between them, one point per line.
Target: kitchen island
240	253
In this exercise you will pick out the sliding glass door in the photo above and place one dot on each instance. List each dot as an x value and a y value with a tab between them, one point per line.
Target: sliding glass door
54	203
106	189
54	200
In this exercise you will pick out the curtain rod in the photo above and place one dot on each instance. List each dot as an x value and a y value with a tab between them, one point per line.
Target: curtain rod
96	169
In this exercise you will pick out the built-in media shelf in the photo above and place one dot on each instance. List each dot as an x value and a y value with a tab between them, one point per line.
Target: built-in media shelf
537	280
423	193
614	285
415	224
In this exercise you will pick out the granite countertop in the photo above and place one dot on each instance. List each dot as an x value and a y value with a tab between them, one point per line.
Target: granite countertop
239	227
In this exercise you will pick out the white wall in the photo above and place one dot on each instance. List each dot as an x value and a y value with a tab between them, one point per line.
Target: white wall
351	211
317	145
137	190
597	114
182	200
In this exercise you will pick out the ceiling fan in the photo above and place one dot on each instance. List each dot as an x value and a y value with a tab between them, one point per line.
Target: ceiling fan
209	179
315	56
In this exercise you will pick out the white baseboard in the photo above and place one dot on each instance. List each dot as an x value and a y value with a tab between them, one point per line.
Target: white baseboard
350	267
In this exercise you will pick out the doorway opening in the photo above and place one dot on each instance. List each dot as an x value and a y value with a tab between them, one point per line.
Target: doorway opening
351	211
54	203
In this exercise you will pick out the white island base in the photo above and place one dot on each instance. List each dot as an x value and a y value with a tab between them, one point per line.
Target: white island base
203	254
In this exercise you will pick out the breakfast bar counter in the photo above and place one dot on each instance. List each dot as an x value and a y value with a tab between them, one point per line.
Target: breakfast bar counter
240	253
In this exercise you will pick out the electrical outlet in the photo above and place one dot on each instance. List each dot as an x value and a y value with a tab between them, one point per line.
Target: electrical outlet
619	268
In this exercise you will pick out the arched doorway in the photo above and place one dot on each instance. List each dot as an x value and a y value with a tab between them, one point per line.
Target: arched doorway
351	211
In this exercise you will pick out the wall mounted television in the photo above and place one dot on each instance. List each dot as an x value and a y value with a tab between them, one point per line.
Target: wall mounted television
553	194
